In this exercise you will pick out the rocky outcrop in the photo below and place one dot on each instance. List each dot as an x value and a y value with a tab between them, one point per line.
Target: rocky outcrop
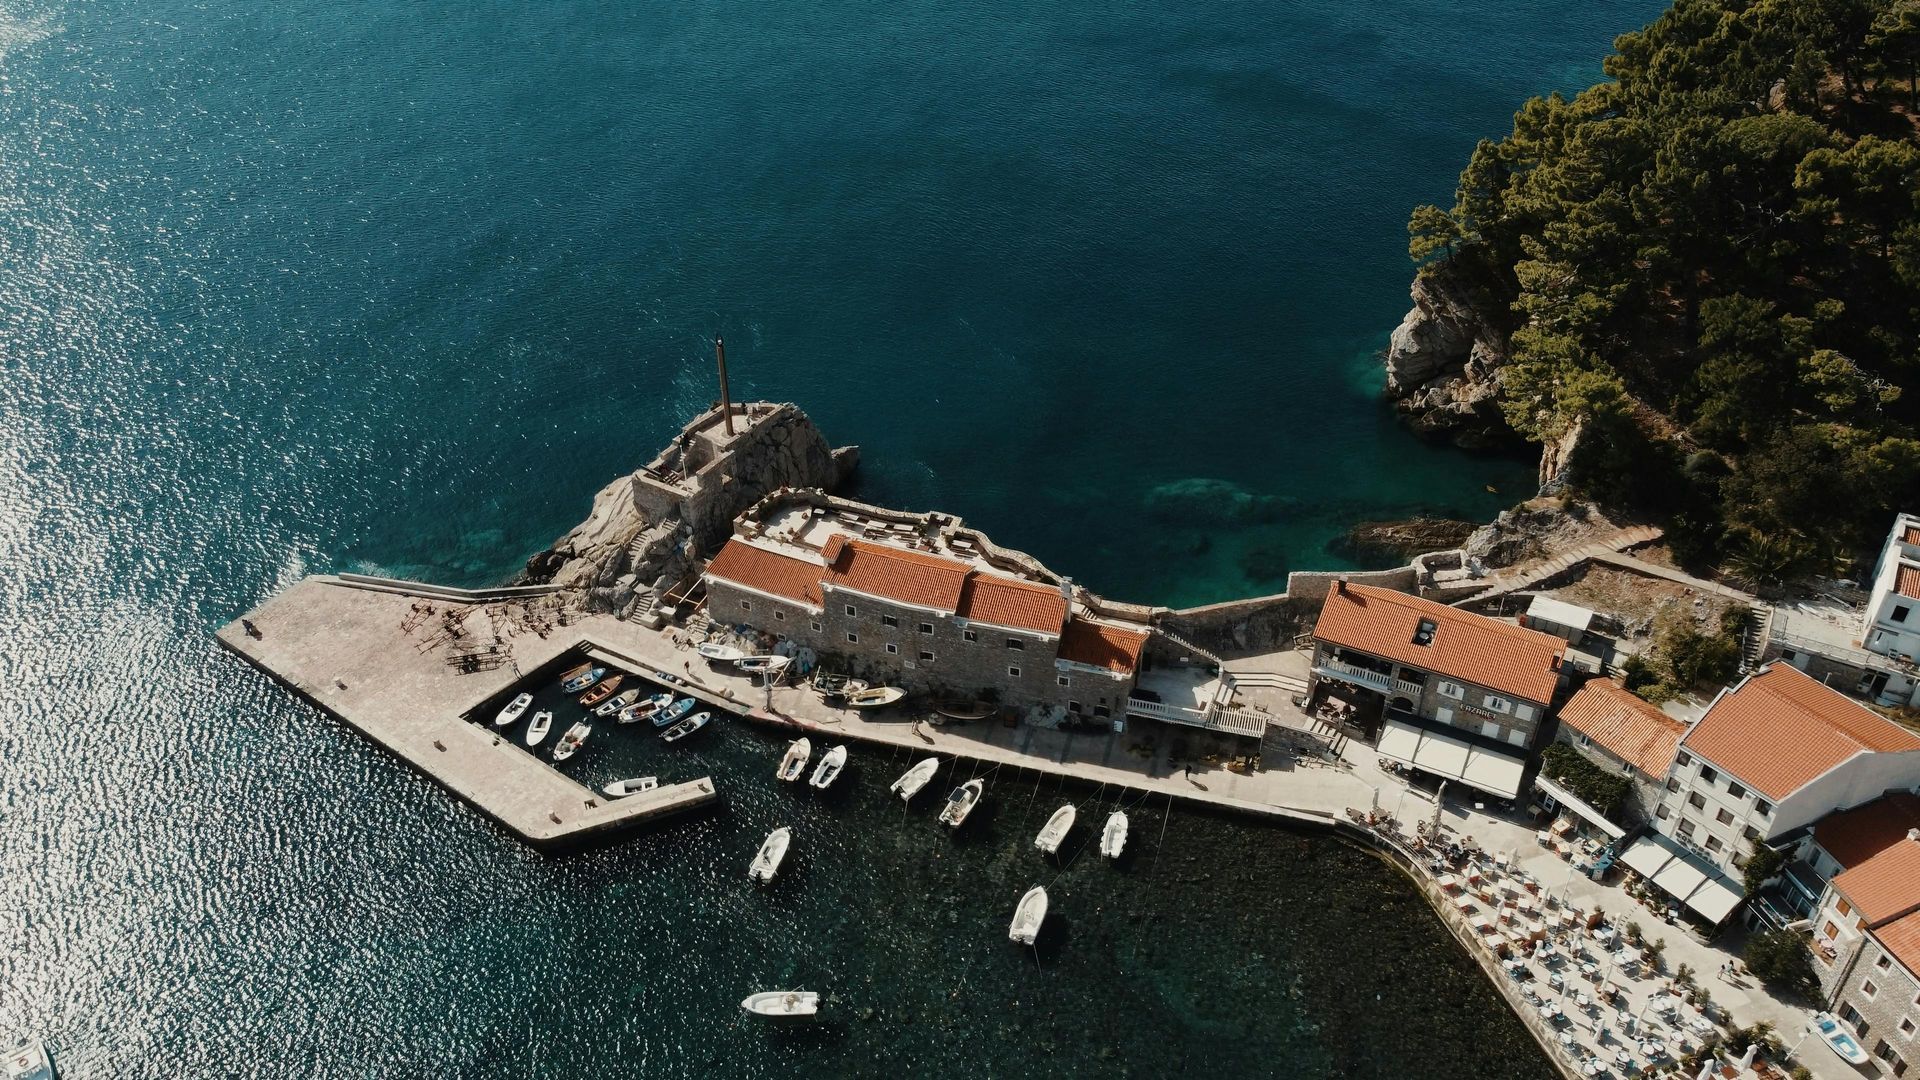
1536	529
1444	366
1395	542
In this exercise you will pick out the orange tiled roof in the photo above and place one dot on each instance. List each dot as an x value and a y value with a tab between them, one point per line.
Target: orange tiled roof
1006	602
926	581
1907	582
1901	937
1911	536
768	572
1625	726
1854	836
1887	885
1099	645
1782	728
1472	648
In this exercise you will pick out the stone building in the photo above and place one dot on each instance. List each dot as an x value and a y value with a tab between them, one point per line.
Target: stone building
1867	926
1627	736
1891	621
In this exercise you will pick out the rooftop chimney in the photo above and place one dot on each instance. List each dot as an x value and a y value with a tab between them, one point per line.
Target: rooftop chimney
1340	584
1913	834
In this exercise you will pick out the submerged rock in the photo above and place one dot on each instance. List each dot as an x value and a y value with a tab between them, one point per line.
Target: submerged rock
1203	500
1392	543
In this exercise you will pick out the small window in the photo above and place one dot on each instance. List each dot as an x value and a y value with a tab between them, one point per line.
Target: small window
1906	1027
1841	904
1013	672
1762	807
1736	790
1498	704
1684	759
892	649
851	612
969	635
1714	844
1708	774
1833	931
1073	707
926	628
815	624
1663	813
1723	817
926	656
1581	740
1685	829
779	616
1516	736
746	605
1900	613
1694	800
1867	989
1523	711
1883	963
1016	644
1102	710
1452	689
1064	681
1751	833
1672	784
853	638
888	620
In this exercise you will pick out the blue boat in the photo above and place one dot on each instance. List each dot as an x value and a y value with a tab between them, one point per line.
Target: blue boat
686	727
582	681
672	713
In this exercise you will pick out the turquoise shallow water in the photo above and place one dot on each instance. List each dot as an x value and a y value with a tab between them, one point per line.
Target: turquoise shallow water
299	287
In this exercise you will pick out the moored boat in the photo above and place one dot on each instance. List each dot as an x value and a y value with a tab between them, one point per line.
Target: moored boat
671	715
1028	914
513	710
1056	829
27	1059
830	767
961	802
580	680
640	710
620	789
717	653
618	702
1113	839
686	727
875	697
963	710
783	1005
542	721
772	853
755	665
570	742
914	779
793	764
828	684
1839	1038
602	691
575	672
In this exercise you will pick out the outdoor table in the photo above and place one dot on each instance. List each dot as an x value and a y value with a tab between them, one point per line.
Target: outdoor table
1548	1010
1589	969
1592	1067
1700	1025
1544	837
1581	999
1623	1057
1554	980
1604	934
1566	1038
1653	1048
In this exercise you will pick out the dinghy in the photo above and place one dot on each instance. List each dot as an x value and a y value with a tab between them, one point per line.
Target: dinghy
1113	839
793	765
687	727
575	672
874	698
537	730
602	692
783	1005
639	711
757	665
618	702
829	768
1028	914
620	789
964	710
671	714
827	684
717	653
914	779
513	710
772	854
573	684
1056	829
962	802
1839	1038
570	742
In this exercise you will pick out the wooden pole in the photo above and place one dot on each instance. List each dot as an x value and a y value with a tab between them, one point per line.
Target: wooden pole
726	403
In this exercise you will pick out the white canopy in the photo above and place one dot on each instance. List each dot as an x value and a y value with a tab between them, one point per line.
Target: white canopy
1685	876
1574	803
1457	759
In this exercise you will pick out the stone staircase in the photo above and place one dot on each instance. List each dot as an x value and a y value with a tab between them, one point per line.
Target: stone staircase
1190	646
1754	638
1529	574
1270	680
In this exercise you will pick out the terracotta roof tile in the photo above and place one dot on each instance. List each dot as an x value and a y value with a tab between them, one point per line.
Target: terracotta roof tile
1099	645
1006	602
1472	648
1782	728
1854	836
1887	885
768	572
1907	582
926	581
1901	937
1625	726
1911	535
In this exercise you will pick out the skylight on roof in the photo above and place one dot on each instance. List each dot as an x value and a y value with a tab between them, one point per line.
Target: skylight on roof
1423	634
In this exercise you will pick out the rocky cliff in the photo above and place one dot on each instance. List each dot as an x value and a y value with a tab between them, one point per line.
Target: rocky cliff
1444	366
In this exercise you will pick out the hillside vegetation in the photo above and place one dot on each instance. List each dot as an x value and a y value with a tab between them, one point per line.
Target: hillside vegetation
1712	262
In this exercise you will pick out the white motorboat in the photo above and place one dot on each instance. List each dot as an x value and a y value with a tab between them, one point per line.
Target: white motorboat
914	779
617	702
772	853
27	1060
1056	829
570	742
757	665
542	721
783	1005
1113	839
1028	914
620	789
513	710
1839	1038
961	802
671	715
686	727
641	710
717	653
831	764
793	764
874	698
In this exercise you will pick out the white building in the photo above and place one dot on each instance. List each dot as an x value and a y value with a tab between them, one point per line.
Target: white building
1890	626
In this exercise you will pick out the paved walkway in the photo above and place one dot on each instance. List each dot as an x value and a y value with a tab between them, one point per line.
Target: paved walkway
1528	574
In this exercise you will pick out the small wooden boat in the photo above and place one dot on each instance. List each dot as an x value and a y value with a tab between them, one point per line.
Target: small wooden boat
620	789
640	710
1028	914
603	691
830	767
772	854
513	710
1113	839
963	710
618	702
1839	1038
686	727
670	715
961	802
714	652
793	764
542	721
875	697
575	672
827	684
575	683
570	742
914	779
762	665
1056	829
27	1060
798	1005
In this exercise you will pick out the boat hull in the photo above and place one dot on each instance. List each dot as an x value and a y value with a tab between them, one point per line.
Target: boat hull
787	1006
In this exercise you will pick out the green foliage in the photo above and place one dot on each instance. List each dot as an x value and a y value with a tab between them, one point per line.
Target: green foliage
1761	865
1684	656
1584	777
1780	959
1718	249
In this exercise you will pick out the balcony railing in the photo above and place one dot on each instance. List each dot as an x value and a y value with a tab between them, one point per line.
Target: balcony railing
1367	677
1237	721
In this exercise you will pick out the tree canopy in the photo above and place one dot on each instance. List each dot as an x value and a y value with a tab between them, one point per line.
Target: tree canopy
1712	262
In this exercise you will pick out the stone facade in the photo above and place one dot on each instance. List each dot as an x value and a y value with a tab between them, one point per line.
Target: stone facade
1643	798
1873	993
1432	696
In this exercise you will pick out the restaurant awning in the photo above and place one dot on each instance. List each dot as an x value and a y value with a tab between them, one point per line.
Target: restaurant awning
1452	754
1686	877
1574	803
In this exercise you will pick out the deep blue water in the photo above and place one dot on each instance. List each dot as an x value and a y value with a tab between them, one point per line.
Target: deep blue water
296	287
